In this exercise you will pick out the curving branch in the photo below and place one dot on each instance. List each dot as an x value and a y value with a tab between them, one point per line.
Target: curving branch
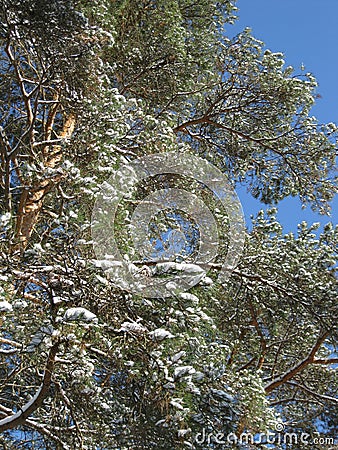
310	359
19	418
313	393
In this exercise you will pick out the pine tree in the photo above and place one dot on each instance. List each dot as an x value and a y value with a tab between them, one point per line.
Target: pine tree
87	362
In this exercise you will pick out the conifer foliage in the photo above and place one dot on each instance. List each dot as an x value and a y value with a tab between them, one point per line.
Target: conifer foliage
85	87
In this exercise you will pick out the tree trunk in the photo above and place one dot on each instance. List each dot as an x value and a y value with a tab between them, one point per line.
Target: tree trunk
31	200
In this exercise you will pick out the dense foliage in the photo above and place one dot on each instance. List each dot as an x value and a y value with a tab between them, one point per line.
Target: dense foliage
87	86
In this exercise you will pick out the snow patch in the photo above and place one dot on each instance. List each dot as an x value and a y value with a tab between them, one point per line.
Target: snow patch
5	306
80	314
159	334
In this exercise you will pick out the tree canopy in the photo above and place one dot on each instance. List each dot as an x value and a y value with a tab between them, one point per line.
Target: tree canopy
88	363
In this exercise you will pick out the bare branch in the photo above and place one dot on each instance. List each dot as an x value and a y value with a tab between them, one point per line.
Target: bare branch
315	394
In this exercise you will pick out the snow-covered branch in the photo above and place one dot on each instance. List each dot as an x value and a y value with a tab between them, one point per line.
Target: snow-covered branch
19	417
298	367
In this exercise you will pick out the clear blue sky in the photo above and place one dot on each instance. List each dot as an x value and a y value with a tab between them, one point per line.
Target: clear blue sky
306	31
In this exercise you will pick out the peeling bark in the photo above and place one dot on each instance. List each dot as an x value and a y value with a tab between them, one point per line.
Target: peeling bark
31	200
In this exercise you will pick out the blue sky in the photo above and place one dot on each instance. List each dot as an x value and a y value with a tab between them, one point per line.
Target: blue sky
306	31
